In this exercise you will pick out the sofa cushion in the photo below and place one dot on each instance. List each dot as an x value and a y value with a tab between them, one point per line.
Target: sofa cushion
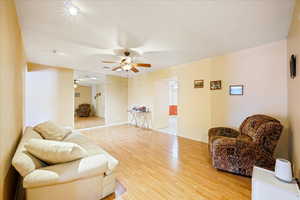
24	162
51	131
54	152
67	172
92	149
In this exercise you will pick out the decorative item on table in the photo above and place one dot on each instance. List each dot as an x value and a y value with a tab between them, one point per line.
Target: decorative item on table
236	90
283	170
215	85
140	108
198	83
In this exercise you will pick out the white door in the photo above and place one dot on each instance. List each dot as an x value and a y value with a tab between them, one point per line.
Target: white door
161	105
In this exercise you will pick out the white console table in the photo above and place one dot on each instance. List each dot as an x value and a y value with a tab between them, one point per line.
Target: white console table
265	186
140	118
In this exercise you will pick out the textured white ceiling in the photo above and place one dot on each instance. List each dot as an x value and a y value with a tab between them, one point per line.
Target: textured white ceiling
164	32
89	78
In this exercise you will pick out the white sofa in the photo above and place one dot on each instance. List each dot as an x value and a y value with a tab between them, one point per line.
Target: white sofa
90	178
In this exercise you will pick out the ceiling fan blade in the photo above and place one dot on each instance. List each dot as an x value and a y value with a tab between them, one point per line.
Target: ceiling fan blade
116	68
109	61
134	69
143	65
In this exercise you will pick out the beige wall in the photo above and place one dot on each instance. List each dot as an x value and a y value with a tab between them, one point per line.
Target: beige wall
12	69
49	95
293	89
116	99
194	104
85	95
262	70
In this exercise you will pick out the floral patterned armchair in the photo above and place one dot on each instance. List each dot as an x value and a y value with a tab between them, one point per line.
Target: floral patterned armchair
83	110
238	151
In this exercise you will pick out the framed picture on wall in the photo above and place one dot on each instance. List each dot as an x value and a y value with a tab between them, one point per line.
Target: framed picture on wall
77	94
198	83
215	85
236	90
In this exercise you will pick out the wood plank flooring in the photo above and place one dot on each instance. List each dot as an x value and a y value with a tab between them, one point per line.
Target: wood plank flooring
88	122
165	167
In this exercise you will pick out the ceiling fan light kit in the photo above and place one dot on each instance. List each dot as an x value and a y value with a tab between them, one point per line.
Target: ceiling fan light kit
127	64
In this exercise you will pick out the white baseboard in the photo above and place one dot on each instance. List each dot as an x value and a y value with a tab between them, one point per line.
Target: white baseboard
183	136
162	131
103	126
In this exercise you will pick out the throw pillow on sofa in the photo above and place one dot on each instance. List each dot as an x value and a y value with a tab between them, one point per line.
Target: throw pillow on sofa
51	131
54	152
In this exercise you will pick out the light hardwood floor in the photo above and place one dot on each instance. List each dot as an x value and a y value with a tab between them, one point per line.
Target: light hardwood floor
165	167
88	122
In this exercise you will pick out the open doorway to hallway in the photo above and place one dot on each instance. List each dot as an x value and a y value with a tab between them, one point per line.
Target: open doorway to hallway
172	86
89	100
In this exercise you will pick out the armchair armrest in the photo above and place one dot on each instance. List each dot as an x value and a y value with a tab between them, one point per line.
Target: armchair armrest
66	172
231	145
223	146
237	155
223	151
223	131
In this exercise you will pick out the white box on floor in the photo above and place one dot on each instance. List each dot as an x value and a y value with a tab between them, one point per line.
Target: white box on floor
265	186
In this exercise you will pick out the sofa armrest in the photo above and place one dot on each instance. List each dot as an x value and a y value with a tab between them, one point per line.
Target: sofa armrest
66	172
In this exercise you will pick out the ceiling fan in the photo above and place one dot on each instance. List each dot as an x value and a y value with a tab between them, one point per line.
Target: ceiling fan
127	63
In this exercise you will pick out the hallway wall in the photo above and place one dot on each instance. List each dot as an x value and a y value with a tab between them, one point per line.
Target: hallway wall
116	99
49	95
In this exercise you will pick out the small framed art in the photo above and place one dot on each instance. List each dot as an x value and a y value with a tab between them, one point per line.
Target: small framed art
236	90
215	85
77	94
198	83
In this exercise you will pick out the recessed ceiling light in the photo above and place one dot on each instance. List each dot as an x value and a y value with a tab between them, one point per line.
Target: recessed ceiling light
71	8
58	52
93	78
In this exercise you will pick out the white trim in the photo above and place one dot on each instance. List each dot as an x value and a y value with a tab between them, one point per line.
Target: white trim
103	126
192	138
178	135
162	131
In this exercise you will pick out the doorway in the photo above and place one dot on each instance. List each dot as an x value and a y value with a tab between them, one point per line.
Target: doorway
89	105
169	106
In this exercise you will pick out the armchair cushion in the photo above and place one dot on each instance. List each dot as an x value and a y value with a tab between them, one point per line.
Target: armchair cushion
66	172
